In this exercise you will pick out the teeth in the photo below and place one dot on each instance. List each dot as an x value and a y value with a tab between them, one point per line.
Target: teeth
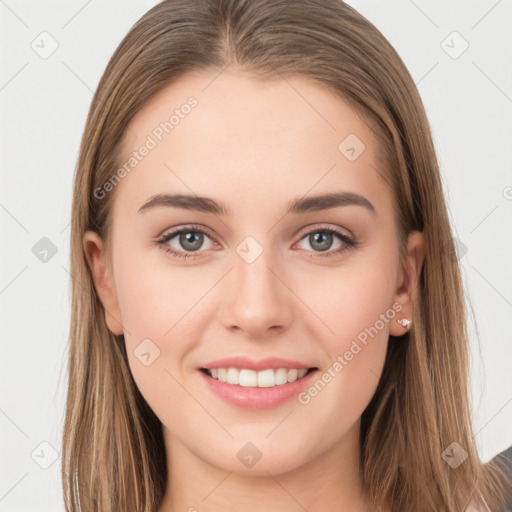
262	379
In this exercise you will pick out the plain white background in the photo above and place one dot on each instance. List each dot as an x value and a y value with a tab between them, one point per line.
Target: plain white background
43	105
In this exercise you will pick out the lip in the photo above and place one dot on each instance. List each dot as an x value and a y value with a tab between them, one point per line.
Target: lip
257	398
242	362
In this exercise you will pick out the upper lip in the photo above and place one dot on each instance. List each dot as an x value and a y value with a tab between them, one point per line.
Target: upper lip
242	362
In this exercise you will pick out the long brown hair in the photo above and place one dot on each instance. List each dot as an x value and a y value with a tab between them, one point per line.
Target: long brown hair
113	451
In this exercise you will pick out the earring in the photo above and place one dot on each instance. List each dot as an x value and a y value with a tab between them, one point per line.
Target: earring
405	323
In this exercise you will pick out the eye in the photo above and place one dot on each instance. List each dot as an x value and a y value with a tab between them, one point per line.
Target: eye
321	240
190	238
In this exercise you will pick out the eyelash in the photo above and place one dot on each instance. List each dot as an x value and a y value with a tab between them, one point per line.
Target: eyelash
193	228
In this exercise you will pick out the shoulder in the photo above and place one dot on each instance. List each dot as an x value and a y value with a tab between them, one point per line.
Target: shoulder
506	457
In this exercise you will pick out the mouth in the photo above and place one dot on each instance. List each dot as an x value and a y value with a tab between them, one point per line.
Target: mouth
263	389
268	378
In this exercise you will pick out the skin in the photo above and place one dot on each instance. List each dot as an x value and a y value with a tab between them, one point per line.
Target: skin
255	145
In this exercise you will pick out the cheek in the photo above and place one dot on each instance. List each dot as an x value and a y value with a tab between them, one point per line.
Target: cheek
153	299
155	305
355	301
355	356
357	308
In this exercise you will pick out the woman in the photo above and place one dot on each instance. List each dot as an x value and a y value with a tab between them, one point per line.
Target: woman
267	305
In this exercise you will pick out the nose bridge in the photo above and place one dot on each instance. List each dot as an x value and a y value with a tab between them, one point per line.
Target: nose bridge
255	281
259	299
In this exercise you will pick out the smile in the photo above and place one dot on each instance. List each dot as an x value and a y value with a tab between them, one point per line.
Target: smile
252	389
262	379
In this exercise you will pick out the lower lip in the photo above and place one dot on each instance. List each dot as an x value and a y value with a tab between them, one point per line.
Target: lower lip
254	397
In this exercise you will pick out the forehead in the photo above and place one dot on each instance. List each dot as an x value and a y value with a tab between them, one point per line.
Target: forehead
244	138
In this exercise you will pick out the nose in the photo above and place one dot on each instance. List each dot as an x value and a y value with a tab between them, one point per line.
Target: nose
257	300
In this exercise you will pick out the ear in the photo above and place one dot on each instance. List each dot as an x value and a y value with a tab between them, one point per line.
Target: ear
408	279
103	281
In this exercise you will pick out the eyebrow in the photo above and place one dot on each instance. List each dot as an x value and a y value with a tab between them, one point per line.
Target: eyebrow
297	206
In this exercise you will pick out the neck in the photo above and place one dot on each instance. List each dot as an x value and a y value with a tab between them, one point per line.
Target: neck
329	482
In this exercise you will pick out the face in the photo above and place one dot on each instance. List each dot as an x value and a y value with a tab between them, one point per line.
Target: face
262	266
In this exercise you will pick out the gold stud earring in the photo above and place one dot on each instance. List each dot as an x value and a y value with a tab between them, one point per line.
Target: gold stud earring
405	323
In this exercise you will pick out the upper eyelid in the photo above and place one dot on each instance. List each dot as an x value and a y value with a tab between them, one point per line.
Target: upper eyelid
186	228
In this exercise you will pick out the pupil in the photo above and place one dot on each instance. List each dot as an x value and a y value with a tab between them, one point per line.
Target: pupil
324	240
195	239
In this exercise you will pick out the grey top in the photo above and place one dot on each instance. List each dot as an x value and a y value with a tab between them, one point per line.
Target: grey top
507	455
